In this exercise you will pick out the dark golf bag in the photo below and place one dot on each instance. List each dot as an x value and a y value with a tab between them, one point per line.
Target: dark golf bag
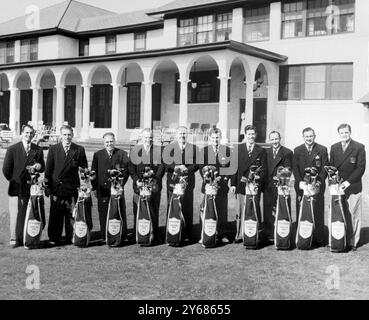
306	223
35	214
208	210
116	222
145	231
250	217
175	219
337	222
283	221
82	210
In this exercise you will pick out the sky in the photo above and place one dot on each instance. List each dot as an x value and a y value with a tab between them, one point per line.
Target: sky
18	8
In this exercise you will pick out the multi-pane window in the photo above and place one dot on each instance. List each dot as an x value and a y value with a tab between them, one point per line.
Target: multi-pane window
2	52
29	50
316	82
9	51
84	45
317	17
224	26
111	44
140	41
257	23
133	105
205	29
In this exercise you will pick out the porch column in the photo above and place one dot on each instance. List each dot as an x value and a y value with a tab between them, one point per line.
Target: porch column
115	108
183	102
85	133
59	120
36	98
14	92
271	102
223	106
148	104
249	105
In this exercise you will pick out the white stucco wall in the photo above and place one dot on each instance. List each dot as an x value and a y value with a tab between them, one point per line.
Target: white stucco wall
125	43
97	46
154	39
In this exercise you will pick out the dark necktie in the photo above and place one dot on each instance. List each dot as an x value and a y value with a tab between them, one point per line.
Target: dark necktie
249	150
66	150
28	148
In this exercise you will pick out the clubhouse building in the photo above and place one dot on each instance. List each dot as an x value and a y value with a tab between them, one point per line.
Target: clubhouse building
280	65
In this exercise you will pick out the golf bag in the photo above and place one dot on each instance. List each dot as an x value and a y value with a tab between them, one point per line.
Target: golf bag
208	210
175	219
337	222
82	210
145	232
35	214
306	223
250	217
116	222
283	221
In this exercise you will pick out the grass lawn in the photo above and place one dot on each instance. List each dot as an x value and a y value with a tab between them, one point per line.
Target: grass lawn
191	272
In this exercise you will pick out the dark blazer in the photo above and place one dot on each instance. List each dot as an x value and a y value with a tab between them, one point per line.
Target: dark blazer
62	171
101	163
211	159
172	156
14	167
283	158
139	159
350	164
301	160
245	162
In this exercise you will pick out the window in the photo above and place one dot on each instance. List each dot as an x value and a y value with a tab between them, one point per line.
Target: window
205	29
29	50
111	44
257	23
10	52
224	26
133	105
317	17
140	41
207	89
101	105
316	82
2	52
84	47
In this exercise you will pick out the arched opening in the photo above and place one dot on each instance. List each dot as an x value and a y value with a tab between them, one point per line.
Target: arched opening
73	98
47	112
203	94
131	79
164	112
24	109
260	104
101	98
4	99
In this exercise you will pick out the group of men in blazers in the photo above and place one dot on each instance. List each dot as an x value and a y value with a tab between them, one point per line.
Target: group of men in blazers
66	157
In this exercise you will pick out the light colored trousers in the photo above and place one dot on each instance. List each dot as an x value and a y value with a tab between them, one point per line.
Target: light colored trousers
17	212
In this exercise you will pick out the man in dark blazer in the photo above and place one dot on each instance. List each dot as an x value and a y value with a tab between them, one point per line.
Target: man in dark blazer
141	156
311	154
63	161
103	160
349	157
249	153
17	158
218	155
177	153
277	156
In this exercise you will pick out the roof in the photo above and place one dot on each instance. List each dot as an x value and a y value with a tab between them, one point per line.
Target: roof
114	21
64	15
186	5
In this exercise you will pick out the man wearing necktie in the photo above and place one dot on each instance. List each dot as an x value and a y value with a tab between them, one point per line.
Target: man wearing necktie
249	153
349	157
63	161
218	155
311	154
103	160
277	156
184	153
147	155
17	158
